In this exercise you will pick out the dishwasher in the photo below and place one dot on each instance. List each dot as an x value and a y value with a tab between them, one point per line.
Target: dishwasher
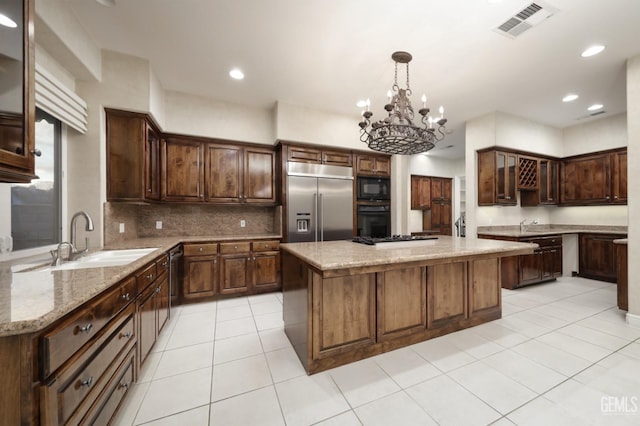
175	273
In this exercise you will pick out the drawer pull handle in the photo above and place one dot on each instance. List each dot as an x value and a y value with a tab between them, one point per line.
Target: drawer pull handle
150	276
165	263
87	328
235	247
126	335
124	385
126	297
201	249
158	290
88	382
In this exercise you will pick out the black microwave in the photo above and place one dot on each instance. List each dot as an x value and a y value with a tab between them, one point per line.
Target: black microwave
374	188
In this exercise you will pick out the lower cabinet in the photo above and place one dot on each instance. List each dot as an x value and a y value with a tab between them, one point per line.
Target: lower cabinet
153	306
545	264
200	279
598	256
622	271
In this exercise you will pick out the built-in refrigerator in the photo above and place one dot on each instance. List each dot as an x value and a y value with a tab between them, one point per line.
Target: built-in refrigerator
319	202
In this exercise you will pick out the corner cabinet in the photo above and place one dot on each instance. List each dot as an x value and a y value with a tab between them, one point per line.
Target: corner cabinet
496	177
133	157
18	106
599	178
598	256
373	165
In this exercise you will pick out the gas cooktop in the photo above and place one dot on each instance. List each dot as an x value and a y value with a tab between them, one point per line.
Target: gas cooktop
392	239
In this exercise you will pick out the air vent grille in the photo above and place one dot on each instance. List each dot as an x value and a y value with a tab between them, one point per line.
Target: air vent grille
597	113
527	18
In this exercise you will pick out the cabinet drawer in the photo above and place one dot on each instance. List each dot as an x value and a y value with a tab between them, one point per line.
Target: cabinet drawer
200	249
72	391
162	264
266	245
146	277
227	248
552	240
71	334
102	412
307	155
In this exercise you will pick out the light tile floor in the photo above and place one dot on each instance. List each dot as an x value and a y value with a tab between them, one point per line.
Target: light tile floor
562	354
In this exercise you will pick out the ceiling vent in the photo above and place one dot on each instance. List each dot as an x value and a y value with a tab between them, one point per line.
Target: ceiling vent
527	18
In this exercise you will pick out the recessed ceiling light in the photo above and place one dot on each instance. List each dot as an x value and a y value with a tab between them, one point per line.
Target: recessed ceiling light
593	50
108	3
236	74
570	97
595	107
493	1
7	22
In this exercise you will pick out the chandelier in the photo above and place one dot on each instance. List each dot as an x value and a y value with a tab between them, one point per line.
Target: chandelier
397	134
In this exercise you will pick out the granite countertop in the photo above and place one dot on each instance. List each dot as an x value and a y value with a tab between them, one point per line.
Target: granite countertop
543	230
30	301
346	254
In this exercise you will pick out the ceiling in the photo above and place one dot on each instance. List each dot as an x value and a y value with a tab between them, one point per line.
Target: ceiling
328	54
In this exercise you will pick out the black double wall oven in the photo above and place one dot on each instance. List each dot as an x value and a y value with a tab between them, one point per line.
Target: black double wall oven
373	206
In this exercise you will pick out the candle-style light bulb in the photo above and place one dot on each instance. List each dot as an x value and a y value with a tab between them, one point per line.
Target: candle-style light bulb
389	96
424	100
368	104
441	111
431	122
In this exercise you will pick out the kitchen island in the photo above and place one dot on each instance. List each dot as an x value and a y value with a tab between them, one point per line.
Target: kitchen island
345	301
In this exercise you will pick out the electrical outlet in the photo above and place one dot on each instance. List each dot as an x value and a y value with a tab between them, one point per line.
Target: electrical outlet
242	223
158	224
121	228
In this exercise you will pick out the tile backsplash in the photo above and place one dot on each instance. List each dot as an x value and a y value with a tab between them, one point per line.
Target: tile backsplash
186	220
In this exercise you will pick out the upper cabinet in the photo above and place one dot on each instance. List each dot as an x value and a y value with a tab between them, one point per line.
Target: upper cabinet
547	192
240	174
496	177
317	155
133	150
17	97
373	165
182	170
599	178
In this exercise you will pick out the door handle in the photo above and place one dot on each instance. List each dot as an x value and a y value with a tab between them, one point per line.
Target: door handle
322	216
315	210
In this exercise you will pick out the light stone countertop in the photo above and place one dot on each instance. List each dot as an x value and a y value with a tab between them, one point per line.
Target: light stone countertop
544	230
346	254
30	301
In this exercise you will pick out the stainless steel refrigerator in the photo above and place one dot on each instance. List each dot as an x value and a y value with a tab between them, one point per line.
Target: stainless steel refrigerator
319	202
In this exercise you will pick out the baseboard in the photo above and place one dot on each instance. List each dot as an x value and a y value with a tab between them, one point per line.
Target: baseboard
633	319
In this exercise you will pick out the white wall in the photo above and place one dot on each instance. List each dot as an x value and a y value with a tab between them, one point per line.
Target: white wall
597	135
633	176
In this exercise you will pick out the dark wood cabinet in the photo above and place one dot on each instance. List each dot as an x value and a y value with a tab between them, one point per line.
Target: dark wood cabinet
438	217
235	260
598	256
182	169
373	165
599	178
133	157
319	155
547	192
153	305
266	265
496	177
420	192
238	174
622	271
528	173
200	279
17	115
544	264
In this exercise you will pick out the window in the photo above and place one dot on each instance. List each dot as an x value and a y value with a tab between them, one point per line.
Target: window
36	206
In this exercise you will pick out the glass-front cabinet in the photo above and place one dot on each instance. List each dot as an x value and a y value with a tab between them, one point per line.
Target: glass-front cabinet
17	99
505	177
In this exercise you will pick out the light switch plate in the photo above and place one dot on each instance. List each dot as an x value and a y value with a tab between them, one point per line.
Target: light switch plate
242	223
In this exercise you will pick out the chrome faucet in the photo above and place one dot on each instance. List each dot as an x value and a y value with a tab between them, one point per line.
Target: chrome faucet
75	253
56	254
523	226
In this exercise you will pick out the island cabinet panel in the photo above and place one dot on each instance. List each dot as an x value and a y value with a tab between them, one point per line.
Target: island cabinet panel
446	293
484	295
344	313
402	302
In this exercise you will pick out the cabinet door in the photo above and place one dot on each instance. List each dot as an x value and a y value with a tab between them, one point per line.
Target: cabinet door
259	176
505	178
530	266
402	302
598	257
224	173
162	301
383	166
548	182
373	165
337	158
304	155
182	170
266	270
152	165
586	180
200	277
437	189
620	177
148	322
234	273
441	217
17	103
485	289
551	263
126	136
420	192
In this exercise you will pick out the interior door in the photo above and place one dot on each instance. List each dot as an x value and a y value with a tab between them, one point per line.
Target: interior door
335	209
